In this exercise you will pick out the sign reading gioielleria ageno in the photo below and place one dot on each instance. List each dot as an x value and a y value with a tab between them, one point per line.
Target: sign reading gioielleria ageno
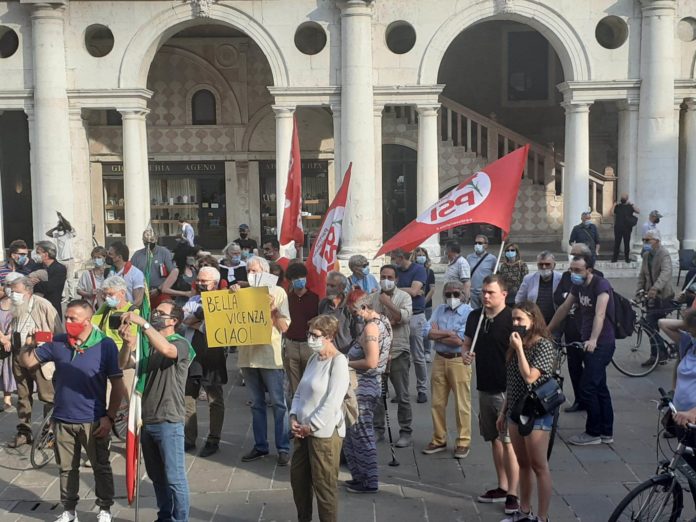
237	318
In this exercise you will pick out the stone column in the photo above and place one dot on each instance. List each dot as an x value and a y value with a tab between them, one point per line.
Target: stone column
52	184
628	150
428	176
136	177
689	195
379	109
283	118
362	229
576	176
657	156
82	205
338	167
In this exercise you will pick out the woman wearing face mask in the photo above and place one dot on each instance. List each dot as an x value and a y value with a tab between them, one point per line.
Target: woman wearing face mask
7	382
91	281
233	266
530	361
179	282
316	420
361	277
368	356
512	270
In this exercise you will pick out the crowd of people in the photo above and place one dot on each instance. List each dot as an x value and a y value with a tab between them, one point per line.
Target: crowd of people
325	358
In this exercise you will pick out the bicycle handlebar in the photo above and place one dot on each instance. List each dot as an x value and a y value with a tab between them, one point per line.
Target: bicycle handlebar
574	344
667	403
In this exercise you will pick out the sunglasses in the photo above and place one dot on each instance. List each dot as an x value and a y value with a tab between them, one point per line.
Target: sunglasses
452	294
545	265
479	243
313	336
647	240
510	250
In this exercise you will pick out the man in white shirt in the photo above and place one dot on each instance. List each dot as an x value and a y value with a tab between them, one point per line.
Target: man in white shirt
458	268
117	256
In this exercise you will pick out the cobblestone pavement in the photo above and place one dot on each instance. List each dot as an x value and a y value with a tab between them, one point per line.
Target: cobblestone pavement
587	481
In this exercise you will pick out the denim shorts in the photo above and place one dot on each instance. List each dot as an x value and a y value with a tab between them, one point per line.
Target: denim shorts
543	423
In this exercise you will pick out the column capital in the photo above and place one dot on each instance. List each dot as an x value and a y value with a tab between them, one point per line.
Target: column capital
658	7
378	109
576	107
283	111
355	7
628	105
690	104
75	113
47	10
134	114
428	109
335	108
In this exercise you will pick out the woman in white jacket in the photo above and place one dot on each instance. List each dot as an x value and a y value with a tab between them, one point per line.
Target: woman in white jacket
317	421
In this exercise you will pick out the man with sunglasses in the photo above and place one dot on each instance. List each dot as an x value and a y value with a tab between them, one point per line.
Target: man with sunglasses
482	265
447	330
19	260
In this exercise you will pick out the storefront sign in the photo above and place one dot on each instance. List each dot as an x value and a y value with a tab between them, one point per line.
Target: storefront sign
172	168
237	318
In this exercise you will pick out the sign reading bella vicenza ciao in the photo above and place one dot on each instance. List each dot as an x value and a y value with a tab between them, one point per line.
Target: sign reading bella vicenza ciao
238	318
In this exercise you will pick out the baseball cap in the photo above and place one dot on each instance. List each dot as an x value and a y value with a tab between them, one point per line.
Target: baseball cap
655	213
243	226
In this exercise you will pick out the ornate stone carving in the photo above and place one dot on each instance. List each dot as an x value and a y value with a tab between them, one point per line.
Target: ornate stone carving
201	8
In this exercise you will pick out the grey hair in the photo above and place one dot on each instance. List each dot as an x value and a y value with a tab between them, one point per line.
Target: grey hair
546	254
653	233
231	246
49	247
210	270
357	260
25	282
12	277
585	250
261	261
115	283
453	285
342	280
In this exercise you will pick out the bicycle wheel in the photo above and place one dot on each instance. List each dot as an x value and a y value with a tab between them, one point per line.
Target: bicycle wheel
554	431
633	352
658	499
42	449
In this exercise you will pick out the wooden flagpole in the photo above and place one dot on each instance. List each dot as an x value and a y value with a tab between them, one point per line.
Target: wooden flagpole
483	312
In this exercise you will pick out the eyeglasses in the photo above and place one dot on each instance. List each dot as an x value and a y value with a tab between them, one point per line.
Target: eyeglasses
314	336
157	313
647	240
508	250
452	294
544	265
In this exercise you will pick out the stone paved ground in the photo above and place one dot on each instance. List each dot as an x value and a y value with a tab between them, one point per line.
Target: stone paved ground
587	482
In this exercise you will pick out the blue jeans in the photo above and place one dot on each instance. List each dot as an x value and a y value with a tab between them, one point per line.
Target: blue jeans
258	382
163	452
594	392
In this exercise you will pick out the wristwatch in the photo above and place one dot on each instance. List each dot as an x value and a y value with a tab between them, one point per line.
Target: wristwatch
146	326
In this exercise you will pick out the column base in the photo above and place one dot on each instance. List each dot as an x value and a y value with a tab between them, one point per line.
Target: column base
689	244
432	245
365	248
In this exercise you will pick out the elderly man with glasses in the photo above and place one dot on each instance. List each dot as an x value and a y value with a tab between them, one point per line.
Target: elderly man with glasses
540	286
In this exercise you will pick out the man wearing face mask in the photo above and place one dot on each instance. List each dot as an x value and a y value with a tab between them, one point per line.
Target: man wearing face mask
208	369
232	266
85	359
52	288
30	313
117	256
304	306
246	243
624	220
655	279
586	232
361	276
651	224
18	261
446	329
335	304
411	278
594	296
540	286
396	305
161	263
482	265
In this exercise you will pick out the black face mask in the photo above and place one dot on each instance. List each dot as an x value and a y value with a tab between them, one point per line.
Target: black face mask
521	330
109	261
151	246
623	201
657	220
243	234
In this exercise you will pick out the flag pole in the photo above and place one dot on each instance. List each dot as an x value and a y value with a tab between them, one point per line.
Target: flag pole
480	321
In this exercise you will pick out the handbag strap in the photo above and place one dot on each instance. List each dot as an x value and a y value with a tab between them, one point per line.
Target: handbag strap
477	264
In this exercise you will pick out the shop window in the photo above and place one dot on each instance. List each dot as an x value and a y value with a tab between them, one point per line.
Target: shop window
203	108
9	42
528	67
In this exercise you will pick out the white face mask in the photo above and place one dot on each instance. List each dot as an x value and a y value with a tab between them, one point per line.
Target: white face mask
17	298
453	302
316	344
387	285
545	273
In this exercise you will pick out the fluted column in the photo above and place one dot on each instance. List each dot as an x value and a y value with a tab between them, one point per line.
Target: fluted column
428	178
689	195
628	160
82	206
283	118
136	176
576	176
362	228
338	166
52	184
657	134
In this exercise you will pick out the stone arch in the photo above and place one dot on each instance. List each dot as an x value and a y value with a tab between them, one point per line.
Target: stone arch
555	28
147	40
400	140
254	122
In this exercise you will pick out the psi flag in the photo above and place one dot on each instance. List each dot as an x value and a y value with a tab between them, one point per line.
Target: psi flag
323	254
291	228
486	197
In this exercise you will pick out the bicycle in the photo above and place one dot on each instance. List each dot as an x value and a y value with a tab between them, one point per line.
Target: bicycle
645	340
42	448
561	355
661	498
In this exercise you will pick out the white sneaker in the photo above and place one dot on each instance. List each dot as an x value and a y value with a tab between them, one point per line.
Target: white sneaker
104	516
68	516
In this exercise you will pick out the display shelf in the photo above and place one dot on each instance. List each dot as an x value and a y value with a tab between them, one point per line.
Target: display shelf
162	221
115	221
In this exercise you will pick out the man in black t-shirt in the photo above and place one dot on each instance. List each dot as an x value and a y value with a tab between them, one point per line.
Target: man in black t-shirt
490	349
247	244
624	221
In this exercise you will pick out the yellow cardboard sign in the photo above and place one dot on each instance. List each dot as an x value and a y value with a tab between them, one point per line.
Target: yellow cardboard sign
237	318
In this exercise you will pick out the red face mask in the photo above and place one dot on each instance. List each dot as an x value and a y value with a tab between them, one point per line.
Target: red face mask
73	330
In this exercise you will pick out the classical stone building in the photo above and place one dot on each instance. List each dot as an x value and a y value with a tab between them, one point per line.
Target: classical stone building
118	113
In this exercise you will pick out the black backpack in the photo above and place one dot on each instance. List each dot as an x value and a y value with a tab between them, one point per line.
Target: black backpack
622	317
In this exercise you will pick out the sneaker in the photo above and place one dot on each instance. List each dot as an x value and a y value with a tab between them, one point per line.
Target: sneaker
493	495
433	448
254	454
576	406
104	516
68	516
461	452
359	488
209	449
606	439
404	441
20	440
188	446
203	395
519	516
283	459
422	397
512	504
351	482
584	439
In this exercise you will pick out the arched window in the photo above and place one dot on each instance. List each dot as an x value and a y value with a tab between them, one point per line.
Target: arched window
203	108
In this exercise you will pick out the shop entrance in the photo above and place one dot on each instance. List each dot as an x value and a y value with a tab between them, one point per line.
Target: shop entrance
398	188
16	179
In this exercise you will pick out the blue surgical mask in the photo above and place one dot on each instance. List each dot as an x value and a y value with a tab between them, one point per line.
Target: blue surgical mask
366	270
236	259
23	260
647	247
111	302
300	283
577	279
99	262
511	255
478	249
421	260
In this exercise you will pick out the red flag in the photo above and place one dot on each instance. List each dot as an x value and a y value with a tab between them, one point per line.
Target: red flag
323	254
487	196
291	228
